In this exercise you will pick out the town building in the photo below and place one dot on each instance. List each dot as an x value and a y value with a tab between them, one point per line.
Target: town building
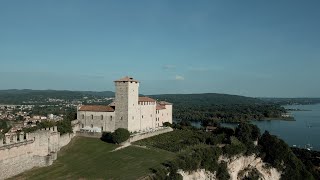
129	111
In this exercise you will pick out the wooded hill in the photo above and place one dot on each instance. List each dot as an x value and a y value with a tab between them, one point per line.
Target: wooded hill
211	107
292	101
207	108
14	96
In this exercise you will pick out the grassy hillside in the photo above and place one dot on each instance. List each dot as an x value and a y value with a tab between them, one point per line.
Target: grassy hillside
89	158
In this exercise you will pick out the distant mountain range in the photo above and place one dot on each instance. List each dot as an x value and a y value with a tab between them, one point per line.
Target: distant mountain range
16	96
292	101
207	99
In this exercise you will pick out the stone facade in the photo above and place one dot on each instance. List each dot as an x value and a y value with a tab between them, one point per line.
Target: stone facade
22	152
103	121
129	111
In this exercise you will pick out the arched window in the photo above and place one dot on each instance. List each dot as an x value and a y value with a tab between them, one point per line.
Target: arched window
111	118
101	117
101	128
91	125
82	116
82	125
91	116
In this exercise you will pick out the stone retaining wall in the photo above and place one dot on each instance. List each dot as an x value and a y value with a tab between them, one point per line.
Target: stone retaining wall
140	136
89	134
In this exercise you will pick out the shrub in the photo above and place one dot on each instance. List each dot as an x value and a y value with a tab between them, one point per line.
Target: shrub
120	135
236	147
167	124
107	137
223	173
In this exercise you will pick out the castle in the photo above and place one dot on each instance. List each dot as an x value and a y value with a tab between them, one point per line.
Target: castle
129	111
143	115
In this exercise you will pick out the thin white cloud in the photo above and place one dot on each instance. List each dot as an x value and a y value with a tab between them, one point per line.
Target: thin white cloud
199	69
169	66
179	78
205	69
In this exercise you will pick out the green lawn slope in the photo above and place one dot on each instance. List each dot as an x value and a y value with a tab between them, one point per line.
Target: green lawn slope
89	158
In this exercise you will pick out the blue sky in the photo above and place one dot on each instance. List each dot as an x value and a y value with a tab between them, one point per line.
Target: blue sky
252	48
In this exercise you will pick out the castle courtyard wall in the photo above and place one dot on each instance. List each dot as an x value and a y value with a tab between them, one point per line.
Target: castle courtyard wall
147	116
103	120
38	149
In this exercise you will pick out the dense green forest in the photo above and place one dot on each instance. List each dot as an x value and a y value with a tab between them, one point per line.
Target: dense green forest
220	107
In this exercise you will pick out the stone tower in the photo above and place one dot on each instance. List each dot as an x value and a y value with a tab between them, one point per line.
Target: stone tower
126	104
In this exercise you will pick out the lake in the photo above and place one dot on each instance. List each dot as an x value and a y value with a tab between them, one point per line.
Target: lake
304	130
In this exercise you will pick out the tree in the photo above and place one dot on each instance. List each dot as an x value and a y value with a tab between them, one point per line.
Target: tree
120	135
64	127
247	133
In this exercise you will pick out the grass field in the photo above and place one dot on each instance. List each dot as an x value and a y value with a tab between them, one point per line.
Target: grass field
89	158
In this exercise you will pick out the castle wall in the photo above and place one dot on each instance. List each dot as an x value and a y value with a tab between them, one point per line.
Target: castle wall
147	115
133	107
137	137
169	113
164	115
65	139
37	149
121	105
103	120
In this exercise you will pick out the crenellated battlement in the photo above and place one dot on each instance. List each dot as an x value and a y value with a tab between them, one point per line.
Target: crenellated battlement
16	139
23	151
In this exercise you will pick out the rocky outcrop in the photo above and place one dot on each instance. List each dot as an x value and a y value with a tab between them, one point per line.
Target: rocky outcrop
238	167
195	175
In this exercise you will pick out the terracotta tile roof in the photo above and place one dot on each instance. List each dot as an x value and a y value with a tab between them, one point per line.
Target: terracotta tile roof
126	79
160	107
146	99
96	108
165	103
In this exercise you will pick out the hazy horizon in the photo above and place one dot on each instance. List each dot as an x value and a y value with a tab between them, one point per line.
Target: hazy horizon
249	48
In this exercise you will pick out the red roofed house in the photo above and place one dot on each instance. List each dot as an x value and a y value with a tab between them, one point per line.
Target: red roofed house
128	111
